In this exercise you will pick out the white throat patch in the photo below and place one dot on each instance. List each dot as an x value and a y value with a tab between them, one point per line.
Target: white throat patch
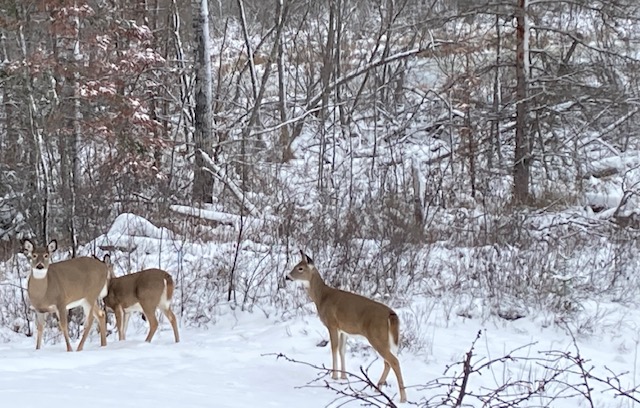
39	273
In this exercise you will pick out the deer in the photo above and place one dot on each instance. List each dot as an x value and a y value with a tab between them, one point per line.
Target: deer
346	313
143	291
57	287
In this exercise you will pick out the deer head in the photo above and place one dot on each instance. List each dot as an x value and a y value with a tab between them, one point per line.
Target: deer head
39	258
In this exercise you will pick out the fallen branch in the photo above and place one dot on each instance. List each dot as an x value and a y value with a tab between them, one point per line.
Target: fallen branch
217	171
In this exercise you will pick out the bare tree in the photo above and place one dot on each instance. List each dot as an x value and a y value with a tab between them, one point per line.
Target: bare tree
203	135
521	159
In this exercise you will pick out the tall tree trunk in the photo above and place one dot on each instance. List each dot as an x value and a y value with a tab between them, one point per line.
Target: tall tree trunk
76	138
202	135
521	170
39	187
497	102
285	134
325	79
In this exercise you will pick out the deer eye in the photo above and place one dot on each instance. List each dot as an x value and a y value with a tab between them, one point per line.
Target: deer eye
34	256
300	269
46	256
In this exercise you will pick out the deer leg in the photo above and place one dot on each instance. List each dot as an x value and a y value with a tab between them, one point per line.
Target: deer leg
119	312
101	316
88	322
125	323
40	319
150	314
334	340
64	326
174	323
342	347
390	360
385	373
395	364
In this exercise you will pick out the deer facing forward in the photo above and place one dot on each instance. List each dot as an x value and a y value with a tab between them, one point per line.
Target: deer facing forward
61	286
345	313
143	291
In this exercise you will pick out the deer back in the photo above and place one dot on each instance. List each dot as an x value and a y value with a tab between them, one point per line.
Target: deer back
352	313
144	286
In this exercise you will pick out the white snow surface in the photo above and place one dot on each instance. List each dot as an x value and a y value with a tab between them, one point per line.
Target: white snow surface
233	363
131	225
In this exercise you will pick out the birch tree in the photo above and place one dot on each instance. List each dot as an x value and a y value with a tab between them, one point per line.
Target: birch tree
202	133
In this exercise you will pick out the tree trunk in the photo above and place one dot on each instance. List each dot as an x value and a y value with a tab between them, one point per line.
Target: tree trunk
285	135
39	187
202	135
521	170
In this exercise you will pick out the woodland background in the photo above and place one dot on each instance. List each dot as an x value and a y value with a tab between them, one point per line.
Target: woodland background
484	148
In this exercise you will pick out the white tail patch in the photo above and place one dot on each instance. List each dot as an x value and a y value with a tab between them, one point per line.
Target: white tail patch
393	346
104	291
164	302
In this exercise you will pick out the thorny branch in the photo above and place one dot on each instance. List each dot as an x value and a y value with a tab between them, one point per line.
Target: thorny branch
355	388
552	376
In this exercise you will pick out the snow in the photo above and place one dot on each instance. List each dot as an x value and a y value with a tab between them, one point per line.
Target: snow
218	216
131	225
234	363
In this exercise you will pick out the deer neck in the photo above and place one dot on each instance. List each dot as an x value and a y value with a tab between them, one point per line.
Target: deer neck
37	288
317	287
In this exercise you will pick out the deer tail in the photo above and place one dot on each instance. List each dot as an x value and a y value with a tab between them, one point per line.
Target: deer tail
168	279
394	332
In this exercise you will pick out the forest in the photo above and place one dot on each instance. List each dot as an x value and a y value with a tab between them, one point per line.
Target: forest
480	158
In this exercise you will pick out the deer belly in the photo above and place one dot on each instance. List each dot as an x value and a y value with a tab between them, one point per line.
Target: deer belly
134	308
354	336
81	302
46	309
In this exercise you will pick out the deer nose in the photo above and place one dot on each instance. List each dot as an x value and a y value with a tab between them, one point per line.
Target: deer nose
39	266
288	278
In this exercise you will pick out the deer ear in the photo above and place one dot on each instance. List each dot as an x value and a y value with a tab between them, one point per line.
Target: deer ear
107	259
306	258
53	245
27	246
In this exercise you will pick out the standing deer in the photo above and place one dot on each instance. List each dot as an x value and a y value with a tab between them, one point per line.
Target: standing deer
143	291
61	286
345	313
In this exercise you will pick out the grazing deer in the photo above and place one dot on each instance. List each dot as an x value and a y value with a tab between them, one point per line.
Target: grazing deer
61	286
143	291
345	313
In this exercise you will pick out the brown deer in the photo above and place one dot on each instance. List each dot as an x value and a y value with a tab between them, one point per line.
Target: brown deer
345	313
143	291
61	286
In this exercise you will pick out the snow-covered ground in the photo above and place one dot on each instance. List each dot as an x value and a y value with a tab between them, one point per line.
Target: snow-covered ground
233	363
233	358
